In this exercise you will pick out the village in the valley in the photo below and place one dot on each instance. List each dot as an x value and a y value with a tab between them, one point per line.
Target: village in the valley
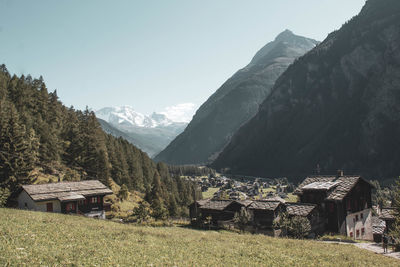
339	205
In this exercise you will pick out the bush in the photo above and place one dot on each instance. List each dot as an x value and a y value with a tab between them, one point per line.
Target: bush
296	226
142	212
4	195
242	218
123	192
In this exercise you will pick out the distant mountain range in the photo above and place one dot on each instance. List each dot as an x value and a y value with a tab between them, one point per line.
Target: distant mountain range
149	133
337	107
235	102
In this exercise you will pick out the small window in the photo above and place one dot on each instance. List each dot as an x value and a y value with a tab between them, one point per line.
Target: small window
357	233
363	231
351	234
356	217
26	205
94	200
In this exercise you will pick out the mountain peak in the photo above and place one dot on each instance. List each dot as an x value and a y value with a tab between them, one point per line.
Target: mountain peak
289	39
285	35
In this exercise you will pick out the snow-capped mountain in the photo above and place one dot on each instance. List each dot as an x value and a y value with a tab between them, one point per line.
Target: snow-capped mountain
127	116
151	133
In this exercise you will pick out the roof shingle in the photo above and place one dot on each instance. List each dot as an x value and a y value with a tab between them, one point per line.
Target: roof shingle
298	209
66	191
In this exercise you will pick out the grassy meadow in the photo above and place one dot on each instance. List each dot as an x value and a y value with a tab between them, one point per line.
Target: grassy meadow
36	238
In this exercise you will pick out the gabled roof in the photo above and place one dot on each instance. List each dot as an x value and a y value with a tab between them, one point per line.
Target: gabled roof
378	225
216	204
264	205
320	186
299	209
346	183
337	188
387	214
313	179
66	191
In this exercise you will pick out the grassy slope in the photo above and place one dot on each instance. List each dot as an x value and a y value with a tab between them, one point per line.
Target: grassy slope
34	238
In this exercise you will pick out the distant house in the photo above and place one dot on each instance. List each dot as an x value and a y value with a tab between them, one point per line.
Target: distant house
345	202
85	197
378	228
264	213
309	211
388	216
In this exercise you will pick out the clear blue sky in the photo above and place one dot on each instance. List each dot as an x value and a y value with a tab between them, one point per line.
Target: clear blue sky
150	54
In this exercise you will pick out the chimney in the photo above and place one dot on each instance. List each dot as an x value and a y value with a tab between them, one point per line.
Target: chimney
339	173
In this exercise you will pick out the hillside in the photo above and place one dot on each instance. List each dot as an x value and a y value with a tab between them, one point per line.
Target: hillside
149	133
35	238
336	107
40	137
235	102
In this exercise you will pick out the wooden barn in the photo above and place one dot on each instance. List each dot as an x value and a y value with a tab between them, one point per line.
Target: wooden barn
345	202
265	212
309	211
84	197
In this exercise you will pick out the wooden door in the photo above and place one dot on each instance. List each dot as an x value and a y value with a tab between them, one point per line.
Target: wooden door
49	207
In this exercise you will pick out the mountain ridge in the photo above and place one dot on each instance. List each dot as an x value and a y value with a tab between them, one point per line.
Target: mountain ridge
335	107
235	102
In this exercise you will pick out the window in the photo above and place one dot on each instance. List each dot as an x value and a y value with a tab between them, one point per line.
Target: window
356	217
93	200
351	234
363	231
26	205
357	233
81	202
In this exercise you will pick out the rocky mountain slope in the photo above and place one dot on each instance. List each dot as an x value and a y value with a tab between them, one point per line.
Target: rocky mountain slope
338	106
235	102
149	133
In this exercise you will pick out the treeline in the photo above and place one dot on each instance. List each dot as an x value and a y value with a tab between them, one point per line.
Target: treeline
190	170
38	132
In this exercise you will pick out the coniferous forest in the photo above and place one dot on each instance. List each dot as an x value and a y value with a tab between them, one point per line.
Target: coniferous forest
37	132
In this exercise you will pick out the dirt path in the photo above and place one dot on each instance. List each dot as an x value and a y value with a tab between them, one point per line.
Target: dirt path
377	248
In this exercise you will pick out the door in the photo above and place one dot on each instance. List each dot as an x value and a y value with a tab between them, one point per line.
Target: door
49	207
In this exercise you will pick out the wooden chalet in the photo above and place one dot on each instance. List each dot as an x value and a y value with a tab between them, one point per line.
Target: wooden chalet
344	201
265	212
84	197
309	211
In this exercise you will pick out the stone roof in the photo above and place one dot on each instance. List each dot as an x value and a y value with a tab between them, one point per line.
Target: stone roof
245	203
320	186
313	179
264	205
66	191
299	209
387	214
337	188
346	183
216	204
378	225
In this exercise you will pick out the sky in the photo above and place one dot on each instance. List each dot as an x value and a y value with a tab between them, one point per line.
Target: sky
153	55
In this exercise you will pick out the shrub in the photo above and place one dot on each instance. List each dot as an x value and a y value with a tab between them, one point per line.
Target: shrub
296	226
242	218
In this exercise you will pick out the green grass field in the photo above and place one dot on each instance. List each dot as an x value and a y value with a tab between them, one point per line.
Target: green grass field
35	238
210	192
